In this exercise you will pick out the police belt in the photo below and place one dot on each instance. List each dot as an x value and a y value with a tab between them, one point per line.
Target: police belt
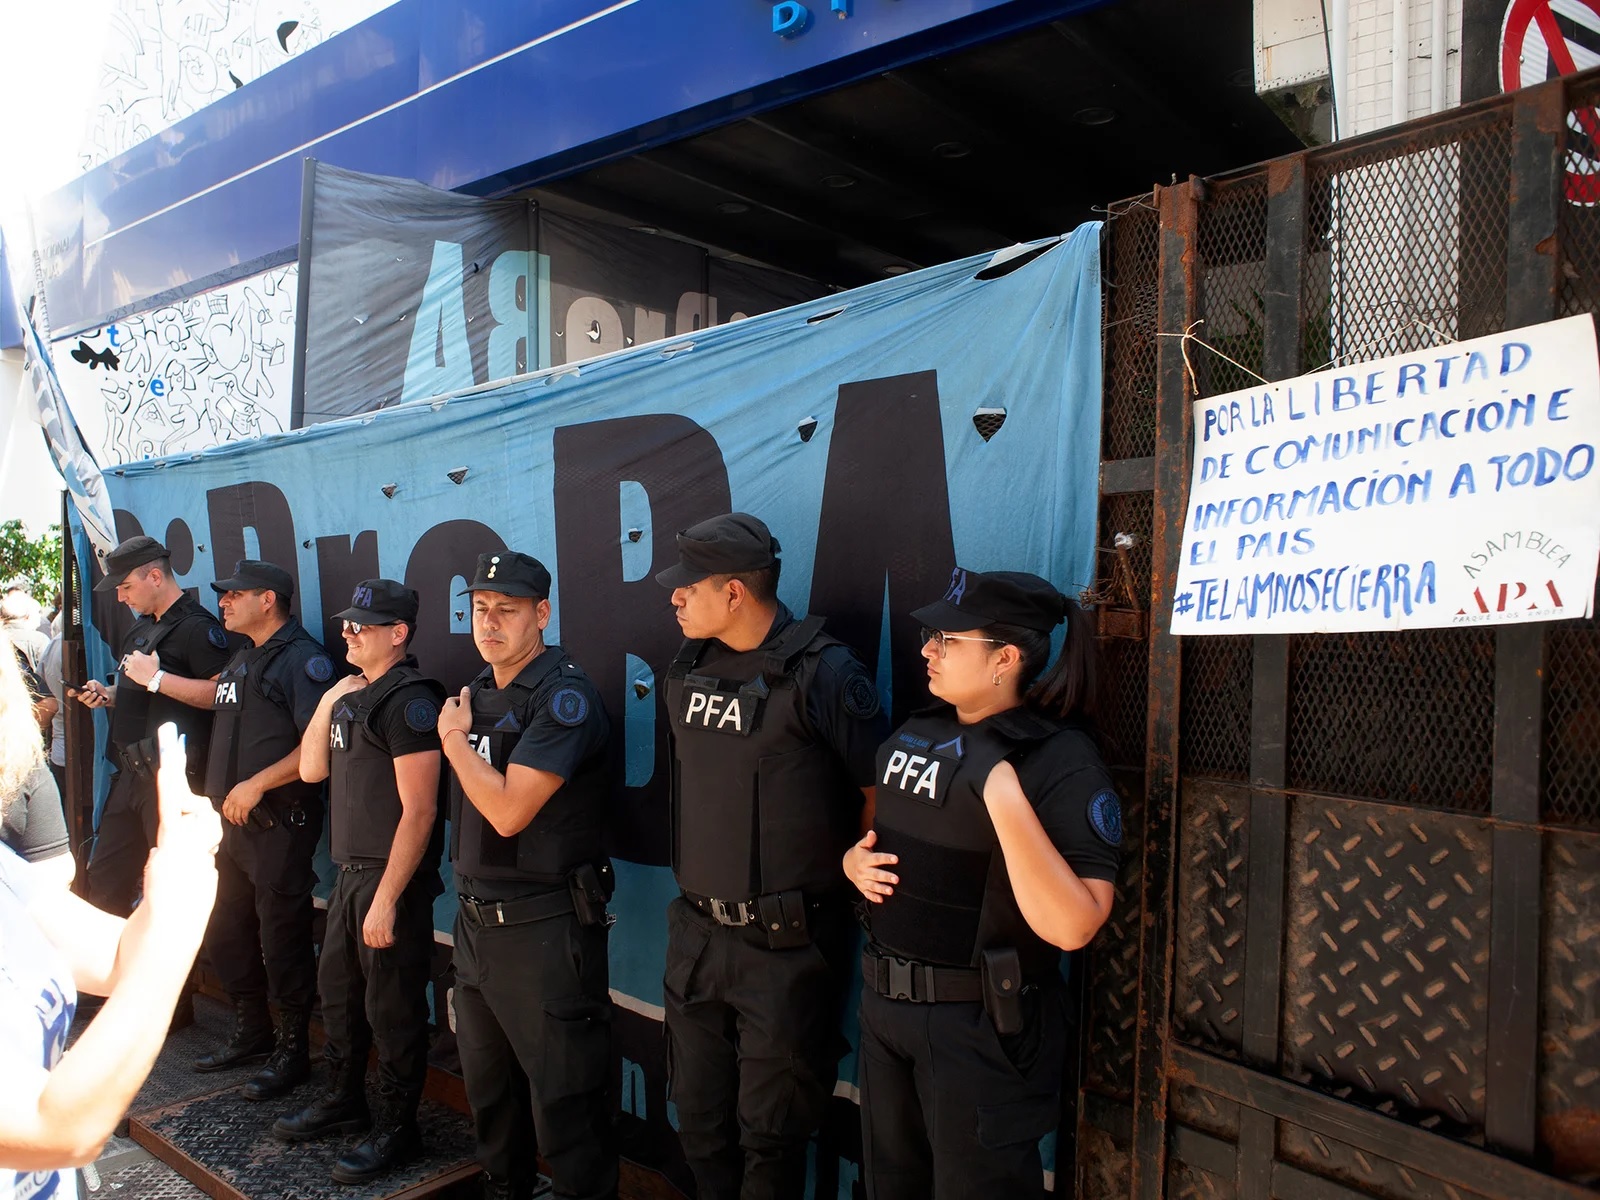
521	911
736	914
139	758
920	983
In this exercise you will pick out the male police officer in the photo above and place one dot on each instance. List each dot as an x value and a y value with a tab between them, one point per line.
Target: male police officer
169	659
374	736
775	726
526	744
259	939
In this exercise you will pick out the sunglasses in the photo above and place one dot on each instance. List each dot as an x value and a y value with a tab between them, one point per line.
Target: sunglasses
357	626
941	639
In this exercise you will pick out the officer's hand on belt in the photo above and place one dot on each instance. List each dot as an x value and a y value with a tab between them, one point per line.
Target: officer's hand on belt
140	668
861	864
244	796
93	694
378	929
456	714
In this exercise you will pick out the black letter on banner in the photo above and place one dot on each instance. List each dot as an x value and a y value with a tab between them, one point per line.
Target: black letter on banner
441	554
885	515
604	618
339	568
258	506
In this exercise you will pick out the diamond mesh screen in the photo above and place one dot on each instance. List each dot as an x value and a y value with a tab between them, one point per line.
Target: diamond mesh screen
1580	217
1132	276
1232	243
1124	664
1214	717
1394	716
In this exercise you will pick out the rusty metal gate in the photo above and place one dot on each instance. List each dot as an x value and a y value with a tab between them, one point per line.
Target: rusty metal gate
1356	947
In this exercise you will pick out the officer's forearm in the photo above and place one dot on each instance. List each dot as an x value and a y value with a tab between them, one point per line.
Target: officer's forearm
416	778
1057	905
508	807
285	771
314	753
196	693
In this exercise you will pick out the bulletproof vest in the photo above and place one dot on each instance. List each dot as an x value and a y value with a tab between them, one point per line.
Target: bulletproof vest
568	831
363	798
138	713
954	898
250	730
760	803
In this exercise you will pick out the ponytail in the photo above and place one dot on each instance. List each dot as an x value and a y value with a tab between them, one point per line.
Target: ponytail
1066	690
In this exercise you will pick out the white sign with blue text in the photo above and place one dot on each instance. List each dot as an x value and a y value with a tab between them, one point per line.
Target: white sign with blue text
1450	486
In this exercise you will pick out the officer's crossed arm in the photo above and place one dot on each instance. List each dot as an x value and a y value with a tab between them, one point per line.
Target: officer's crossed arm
314	750
141	668
1060	907
247	793
508	802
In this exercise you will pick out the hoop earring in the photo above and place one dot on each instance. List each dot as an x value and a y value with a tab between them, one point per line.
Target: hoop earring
997	681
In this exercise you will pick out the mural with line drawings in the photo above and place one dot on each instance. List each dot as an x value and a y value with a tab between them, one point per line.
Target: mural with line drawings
210	369
167	59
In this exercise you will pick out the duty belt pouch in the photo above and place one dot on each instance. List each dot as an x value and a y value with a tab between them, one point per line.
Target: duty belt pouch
261	817
783	919
591	888
1002	989
141	758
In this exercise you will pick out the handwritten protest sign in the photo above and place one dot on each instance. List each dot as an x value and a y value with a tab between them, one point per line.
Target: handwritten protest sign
1451	486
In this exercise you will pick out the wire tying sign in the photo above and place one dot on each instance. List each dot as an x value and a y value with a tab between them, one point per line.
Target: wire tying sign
1450	486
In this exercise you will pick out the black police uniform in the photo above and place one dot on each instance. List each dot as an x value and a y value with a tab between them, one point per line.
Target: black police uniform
532	994
771	749
950	1104
259	939
191	643
379	995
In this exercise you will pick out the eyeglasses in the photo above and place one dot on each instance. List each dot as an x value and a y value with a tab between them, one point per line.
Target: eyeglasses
357	626
941	639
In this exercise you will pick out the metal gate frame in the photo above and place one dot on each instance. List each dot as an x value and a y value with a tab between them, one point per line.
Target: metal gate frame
1429	1024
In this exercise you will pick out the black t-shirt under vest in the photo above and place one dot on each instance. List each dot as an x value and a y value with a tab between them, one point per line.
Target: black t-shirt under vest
395	715
264	699
192	643
761	803
954	898
550	718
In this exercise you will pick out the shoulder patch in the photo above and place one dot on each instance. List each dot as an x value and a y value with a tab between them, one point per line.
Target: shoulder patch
569	706
1105	816
218	637
860	697
422	715
319	667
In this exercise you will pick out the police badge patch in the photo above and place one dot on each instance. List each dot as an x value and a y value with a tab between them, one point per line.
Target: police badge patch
1105	817
569	706
422	715
218	637
860	697
319	668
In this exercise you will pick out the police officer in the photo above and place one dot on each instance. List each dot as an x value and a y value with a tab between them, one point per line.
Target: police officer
259	940
774	727
526	743
167	663
374	737
994	848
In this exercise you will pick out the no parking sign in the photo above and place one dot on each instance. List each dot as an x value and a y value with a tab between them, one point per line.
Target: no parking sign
1541	39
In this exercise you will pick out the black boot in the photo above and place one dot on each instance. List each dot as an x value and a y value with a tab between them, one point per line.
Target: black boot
289	1064
250	1042
342	1108
394	1141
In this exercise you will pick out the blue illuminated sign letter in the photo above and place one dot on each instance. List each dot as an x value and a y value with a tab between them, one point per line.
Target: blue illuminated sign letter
790	18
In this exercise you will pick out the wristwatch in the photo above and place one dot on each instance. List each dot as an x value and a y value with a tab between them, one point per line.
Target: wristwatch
155	682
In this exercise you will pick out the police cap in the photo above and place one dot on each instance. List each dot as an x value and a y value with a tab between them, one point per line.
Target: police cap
725	545
134	552
381	602
253	575
511	573
977	599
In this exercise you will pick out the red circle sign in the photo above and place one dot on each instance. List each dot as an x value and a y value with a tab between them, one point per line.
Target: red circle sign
1540	40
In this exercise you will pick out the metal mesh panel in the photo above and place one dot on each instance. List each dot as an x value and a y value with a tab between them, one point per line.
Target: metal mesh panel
1208	988
1569	1017
1214	717
1232	244
1394	716
1571	792
1132	275
1580	217
1386	953
1406	241
1124	664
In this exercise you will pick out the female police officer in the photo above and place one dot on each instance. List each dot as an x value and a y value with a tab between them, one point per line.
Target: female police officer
993	849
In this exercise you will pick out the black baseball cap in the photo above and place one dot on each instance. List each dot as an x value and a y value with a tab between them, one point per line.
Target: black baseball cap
253	575
134	552
511	573
724	545
978	599
381	602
